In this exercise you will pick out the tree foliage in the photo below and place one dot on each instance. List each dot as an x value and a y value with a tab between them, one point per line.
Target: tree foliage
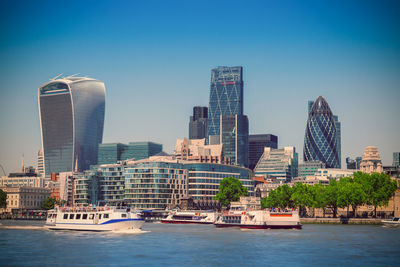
3	199
49	203
230	189
373	189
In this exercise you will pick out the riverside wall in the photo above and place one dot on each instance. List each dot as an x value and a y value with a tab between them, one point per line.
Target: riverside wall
341	221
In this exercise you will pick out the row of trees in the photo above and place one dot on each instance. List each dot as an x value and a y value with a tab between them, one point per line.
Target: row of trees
372	189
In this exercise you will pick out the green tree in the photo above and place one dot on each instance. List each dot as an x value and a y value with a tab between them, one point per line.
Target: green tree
301	197
230	189
318	197
3	199
344	198
279	198
331	193
49	203
378	188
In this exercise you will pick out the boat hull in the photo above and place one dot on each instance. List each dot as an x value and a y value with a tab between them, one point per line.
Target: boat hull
185	222
251	226
113	225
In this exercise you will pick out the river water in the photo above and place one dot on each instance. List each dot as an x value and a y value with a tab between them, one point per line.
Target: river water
200	245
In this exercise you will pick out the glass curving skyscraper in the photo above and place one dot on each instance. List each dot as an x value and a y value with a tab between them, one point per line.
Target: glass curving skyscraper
226	96
320	141
71	114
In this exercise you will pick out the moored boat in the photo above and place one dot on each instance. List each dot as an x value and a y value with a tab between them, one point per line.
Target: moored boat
259	219
191	217
394	222
93	219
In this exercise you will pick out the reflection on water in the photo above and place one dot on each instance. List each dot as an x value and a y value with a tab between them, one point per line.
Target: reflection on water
204	245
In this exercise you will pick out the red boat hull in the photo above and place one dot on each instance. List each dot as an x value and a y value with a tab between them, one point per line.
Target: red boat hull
185	222
249	226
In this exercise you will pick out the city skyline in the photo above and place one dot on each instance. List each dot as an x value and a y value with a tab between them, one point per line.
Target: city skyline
344	51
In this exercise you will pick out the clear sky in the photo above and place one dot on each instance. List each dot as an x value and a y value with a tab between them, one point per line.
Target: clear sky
155	58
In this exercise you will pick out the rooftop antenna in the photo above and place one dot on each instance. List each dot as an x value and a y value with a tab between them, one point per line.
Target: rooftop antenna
52	79
72	75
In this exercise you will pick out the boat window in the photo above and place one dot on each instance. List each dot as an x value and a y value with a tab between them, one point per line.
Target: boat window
84	216
49	216
78	216
71	216
106	216
395	219
99	216
91	216
66	216
123	215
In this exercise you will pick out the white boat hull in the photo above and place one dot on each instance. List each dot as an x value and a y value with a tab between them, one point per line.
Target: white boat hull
127	224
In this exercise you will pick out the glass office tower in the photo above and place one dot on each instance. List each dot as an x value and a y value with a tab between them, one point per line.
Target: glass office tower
198	123
320	141
234	137
71	114
338	133
226	96
257	142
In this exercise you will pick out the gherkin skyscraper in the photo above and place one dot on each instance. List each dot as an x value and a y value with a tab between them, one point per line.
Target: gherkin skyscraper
320	136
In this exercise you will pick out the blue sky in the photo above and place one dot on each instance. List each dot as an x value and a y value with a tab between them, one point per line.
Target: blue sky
155	58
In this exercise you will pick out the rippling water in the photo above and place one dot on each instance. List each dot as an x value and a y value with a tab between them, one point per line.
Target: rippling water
201	245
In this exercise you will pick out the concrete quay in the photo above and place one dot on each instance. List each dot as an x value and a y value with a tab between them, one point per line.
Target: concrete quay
341	221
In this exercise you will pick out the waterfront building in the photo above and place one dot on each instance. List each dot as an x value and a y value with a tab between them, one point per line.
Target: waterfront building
22	199
40	164
234	136
71	112
321	141
328	174
155	183
198	123
141	150
309	168
197	150
226	96
87	188
396	159
204	178
110	153
22	180
279	163
371	161
257	142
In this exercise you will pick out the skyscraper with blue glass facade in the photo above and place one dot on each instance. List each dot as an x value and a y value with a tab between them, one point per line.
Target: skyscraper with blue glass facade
226	96
71	114
234	136
321	140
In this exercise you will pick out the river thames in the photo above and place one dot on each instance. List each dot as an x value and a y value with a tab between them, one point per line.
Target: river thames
201	245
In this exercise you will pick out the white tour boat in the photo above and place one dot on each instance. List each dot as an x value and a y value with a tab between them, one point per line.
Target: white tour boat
259	219
93	219
394	222
191	217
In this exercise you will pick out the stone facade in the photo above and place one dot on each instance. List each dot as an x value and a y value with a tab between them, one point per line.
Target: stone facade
371	161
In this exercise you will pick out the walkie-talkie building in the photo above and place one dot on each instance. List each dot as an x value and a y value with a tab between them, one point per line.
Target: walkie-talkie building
320	141
71	114
226	96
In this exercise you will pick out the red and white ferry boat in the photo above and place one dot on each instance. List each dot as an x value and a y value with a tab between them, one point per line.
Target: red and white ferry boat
259	219
191	217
